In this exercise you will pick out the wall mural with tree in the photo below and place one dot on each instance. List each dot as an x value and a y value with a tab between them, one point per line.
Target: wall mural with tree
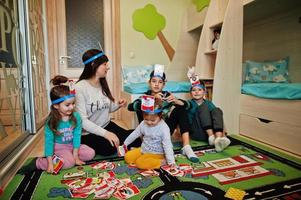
200	4
151	23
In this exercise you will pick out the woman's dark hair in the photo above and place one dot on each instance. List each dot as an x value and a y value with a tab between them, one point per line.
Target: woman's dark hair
91	68
59	90
152	75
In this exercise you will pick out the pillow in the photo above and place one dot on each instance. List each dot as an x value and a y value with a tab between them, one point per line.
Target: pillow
267	71
136	74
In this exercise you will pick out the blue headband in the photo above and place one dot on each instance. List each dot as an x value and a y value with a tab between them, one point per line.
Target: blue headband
198	86
62	99
93	58
153	112
161	77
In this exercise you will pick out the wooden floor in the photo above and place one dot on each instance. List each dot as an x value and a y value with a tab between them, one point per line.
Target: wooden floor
38	151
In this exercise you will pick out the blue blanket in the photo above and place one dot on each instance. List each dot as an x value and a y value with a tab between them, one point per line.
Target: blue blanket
273	90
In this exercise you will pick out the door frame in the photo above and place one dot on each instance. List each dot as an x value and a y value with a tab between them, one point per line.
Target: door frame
56	17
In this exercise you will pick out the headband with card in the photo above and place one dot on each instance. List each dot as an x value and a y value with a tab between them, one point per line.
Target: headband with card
195	82
158	71
96	56
194	79
70	84
148	104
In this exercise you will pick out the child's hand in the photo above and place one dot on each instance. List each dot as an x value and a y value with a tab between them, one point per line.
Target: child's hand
79	161
122	103
162	97
159	96
50	168
171	98
173	166
122	150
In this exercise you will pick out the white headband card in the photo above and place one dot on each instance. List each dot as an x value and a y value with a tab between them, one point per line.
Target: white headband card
194	80
191	72
158	70
71	86
148	103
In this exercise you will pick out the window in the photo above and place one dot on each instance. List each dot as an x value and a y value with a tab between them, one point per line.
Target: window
23	94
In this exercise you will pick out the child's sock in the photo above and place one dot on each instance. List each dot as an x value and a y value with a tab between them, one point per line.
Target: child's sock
218	144
187	150
225	142
211	139
221	143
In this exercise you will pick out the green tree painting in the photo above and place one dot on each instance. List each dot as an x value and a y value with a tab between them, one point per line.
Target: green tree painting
200	4
148	21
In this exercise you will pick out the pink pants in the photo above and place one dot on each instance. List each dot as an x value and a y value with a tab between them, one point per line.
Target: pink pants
65	151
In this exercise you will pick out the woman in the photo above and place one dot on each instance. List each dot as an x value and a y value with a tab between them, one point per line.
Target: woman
95	102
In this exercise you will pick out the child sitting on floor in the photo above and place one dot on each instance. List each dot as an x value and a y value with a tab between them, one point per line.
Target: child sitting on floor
156	148
63	130
205	118
174	113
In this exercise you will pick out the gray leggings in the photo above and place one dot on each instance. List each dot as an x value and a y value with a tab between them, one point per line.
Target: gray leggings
205	119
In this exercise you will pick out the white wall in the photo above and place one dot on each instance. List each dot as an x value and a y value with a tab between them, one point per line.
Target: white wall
143	50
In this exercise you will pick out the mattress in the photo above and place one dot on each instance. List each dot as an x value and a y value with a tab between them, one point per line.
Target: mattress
273	90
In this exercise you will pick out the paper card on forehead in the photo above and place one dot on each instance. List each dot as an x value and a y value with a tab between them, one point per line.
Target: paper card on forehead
158	70
148	103
194	80
191	71
71	86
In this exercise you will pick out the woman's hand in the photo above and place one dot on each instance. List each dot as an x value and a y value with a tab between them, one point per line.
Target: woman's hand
112	138
122	103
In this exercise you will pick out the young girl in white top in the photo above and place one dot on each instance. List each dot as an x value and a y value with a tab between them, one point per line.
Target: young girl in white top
156	148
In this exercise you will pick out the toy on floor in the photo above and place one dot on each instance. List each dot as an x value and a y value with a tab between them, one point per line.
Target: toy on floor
57	164
235	194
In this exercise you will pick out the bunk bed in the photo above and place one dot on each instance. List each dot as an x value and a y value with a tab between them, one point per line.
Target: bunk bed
270	103
273	121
